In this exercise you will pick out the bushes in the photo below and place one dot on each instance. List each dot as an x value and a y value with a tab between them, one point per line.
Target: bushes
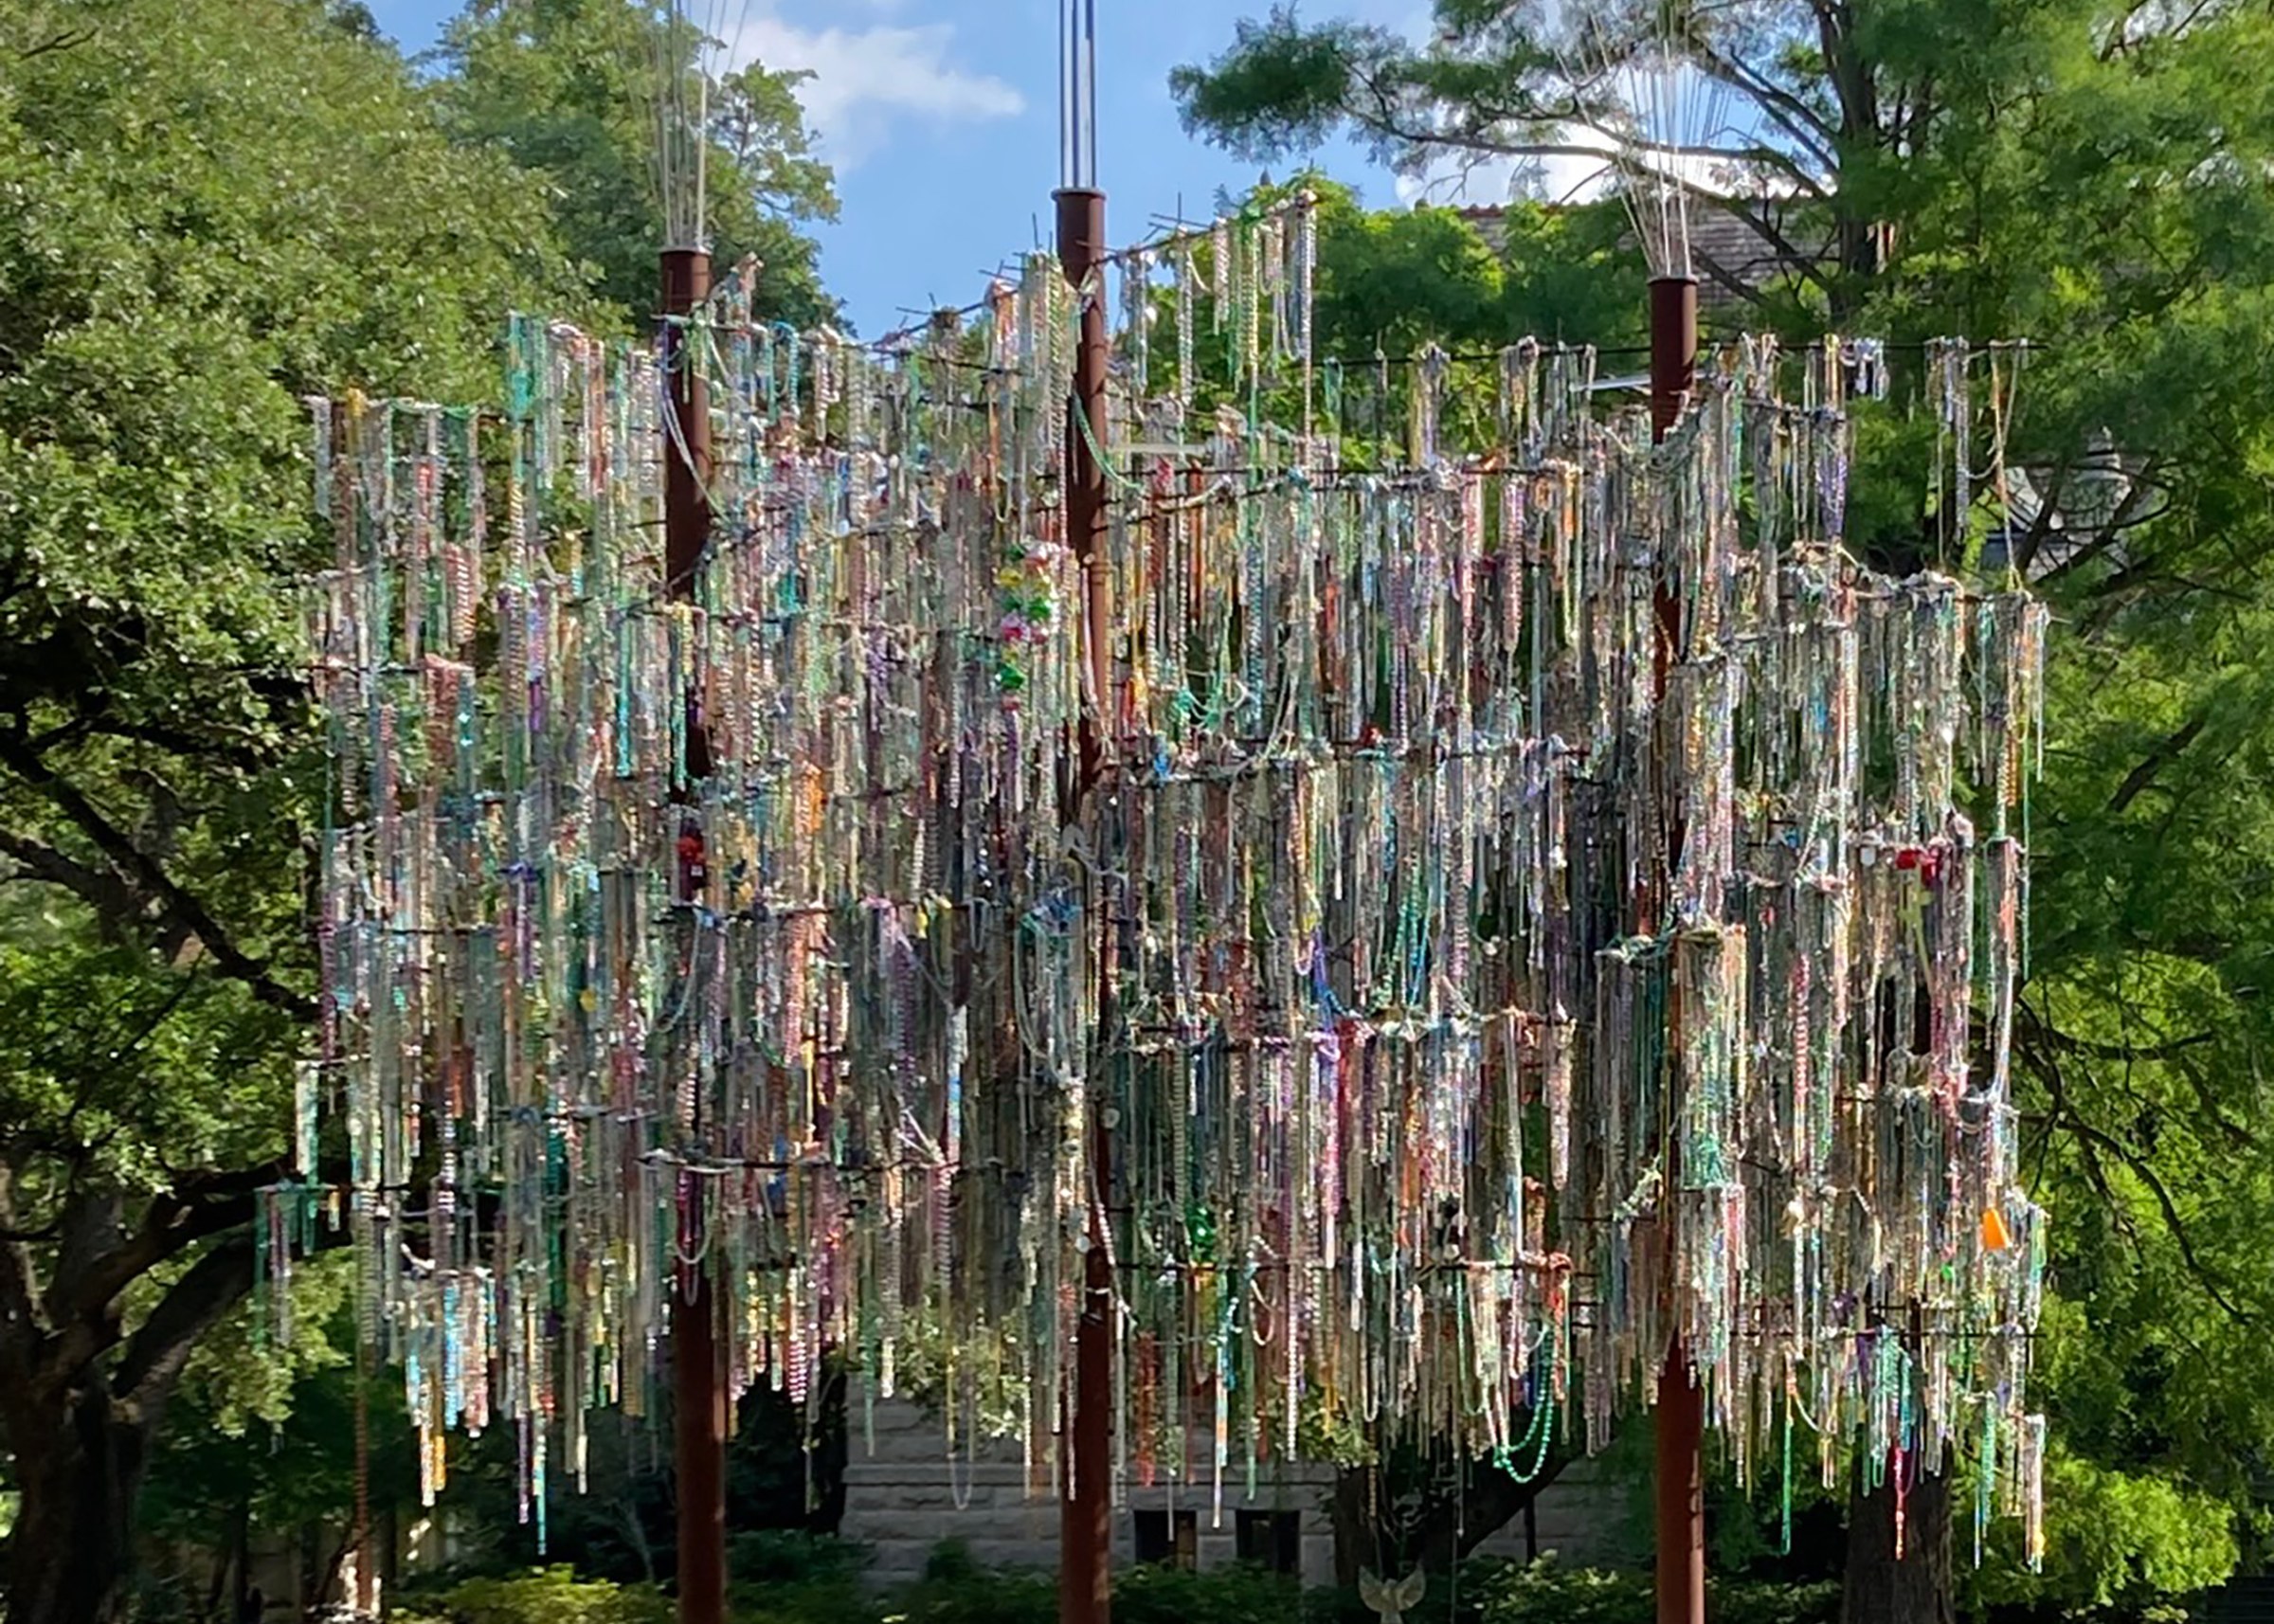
956	1590
544	1596
798	1579
1225	1595
789	1576
774	1557
1543	1593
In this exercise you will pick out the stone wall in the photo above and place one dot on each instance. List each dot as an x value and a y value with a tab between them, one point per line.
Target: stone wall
902	1498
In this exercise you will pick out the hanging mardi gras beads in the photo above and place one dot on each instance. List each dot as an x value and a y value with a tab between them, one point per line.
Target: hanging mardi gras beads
1537	920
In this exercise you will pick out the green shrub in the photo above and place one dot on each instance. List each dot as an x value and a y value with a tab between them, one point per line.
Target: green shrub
1546	1593
956	1590
788	1576
551	1595
796	1578
1760	1601
793	1557
1226	1595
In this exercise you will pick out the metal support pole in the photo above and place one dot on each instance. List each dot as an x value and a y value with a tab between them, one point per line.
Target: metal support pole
1085	1508
1681	1495
699	1450
698	1393
1681	1416
365	1602
1673	348
687	471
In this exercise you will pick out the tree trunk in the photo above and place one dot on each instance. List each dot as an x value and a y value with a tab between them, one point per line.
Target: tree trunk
1881	1587
1352	1515
1488	1501
77	1476
241	1554
1370	1532
81	1400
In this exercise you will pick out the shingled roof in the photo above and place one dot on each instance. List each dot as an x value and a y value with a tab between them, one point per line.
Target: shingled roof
1728	246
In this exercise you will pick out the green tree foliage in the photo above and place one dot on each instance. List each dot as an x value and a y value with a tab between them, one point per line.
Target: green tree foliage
566	89
1391	283
211	208
2090	174
2117	1545
261	1450
1397	279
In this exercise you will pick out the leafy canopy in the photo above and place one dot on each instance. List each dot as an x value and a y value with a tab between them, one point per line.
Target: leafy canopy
566	88
212	208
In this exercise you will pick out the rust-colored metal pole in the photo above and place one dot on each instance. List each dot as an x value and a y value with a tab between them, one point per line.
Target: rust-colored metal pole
1681	1418
1081	250
699	1391
1085	1510
687	472
1673	348
699	1399
1681	1493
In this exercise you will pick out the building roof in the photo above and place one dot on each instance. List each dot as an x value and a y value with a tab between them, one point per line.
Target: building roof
1730	246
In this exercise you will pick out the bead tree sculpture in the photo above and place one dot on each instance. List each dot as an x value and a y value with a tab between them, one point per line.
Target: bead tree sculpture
1409	1119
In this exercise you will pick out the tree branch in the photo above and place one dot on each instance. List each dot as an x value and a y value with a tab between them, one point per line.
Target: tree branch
2089	1138
2138	781
176	904
2148	1176
114	901
63	41
198	1206
19	1292
1794	116
2126	517
2124	1052
1382	124
1804	266
2234	1131
1727	279
160	1346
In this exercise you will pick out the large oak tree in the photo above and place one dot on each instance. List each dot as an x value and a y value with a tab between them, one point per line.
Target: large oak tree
208	209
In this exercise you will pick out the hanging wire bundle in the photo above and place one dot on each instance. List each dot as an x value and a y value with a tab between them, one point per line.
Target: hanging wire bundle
1550	906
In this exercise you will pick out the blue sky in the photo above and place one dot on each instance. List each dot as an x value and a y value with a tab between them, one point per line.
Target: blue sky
941	117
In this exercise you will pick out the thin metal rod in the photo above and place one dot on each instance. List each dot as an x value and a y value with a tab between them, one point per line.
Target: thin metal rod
1681	1415
1088	124
698	1394
1085	1508
1077	94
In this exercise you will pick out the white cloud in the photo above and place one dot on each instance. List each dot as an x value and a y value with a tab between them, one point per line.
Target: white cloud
867	80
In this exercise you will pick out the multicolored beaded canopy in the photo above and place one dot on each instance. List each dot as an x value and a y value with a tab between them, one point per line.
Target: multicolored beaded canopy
1547	905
